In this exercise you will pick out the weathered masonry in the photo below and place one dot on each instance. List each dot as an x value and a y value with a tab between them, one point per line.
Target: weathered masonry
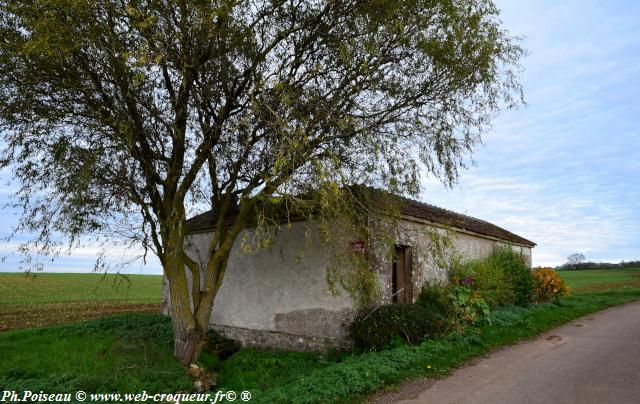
278	296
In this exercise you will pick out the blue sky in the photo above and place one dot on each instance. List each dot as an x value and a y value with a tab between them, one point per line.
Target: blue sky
565	170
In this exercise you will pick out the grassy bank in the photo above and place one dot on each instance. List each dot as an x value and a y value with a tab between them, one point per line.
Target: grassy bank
132	352
353	377
48	299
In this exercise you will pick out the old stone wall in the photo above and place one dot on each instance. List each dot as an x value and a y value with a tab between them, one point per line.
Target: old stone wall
280	339
280	289
430	251
278	297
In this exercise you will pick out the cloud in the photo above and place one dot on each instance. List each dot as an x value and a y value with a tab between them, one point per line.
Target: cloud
564	171
83	259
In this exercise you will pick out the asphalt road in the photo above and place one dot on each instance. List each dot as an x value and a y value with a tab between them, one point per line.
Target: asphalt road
595	359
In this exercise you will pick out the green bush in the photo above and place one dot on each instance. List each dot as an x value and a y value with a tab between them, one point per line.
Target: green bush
435	297
459	267
491	281
502	278
516	272
456	303
413	323
468	304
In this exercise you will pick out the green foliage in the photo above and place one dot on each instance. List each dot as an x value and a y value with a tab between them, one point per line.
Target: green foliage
468	305
502	278
124	81
434	296
458	267
412	323
516	272
354	274
491	281
457	303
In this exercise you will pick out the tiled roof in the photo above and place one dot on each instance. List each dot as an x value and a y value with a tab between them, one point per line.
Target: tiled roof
410	208
448	218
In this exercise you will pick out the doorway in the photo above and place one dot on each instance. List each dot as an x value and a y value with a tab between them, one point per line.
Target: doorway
401	275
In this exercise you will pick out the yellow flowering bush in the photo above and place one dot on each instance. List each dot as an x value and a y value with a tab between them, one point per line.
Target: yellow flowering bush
548	285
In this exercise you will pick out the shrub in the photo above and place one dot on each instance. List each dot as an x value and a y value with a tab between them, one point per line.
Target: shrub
413	323
502	278
548	285
468	305
516	272
456	303
459	267
491	281
435	297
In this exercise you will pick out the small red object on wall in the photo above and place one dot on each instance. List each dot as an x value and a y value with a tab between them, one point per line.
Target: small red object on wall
358	246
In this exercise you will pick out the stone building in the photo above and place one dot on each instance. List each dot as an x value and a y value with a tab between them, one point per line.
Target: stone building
279	296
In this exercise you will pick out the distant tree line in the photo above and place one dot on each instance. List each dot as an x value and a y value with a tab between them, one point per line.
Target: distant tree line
599	265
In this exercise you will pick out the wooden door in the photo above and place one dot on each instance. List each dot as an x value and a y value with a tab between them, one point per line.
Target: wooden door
399	276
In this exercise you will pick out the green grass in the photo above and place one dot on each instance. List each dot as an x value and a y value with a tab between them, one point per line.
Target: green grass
353	377
591	280
124	353
132	352
49	299
20	289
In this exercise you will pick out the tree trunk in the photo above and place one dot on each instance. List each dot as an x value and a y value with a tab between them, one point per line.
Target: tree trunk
187	333
189	322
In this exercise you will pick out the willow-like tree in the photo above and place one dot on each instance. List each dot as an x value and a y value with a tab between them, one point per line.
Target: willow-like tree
120	117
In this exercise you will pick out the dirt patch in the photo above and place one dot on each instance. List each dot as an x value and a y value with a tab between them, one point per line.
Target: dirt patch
40	315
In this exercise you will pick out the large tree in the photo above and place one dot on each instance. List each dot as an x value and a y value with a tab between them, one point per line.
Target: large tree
575	260
119	117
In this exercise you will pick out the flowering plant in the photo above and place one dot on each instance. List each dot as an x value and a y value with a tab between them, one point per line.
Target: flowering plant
468	281
464	281
467	303
548	285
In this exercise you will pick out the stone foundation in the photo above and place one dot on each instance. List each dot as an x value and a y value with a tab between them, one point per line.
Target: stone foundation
280	340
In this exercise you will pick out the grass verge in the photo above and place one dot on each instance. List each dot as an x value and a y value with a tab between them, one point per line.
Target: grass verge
129	353
353	377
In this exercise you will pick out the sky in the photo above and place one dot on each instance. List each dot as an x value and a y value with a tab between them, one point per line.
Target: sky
564	171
